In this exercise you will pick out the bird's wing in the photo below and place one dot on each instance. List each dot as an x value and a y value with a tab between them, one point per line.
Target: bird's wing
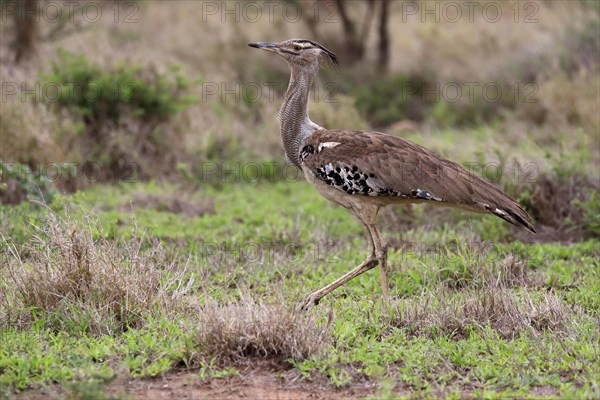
375	164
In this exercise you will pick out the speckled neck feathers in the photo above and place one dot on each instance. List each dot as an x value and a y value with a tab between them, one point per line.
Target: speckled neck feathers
294	122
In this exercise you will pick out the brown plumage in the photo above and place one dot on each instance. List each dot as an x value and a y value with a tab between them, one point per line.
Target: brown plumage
364	171
400	168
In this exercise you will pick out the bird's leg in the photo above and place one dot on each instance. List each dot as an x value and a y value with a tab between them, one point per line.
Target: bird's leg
370	263
381	254
368	215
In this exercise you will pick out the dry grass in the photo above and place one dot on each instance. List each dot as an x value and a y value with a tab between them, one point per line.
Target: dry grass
568	100
449	47
246	329
486	295
31	133
505	312
80	283
558	202
477	270
512	272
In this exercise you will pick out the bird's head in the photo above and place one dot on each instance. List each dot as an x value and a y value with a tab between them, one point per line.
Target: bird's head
298	52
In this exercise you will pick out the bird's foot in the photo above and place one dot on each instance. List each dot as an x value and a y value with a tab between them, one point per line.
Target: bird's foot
309	301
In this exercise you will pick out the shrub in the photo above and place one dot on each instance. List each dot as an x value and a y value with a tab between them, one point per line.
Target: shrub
125	113
385	100
446	113
590	208
18	182
100	95
388	99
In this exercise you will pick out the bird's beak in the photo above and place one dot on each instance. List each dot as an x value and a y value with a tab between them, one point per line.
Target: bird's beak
270	46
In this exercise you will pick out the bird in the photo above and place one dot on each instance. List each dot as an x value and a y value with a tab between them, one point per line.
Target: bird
365	171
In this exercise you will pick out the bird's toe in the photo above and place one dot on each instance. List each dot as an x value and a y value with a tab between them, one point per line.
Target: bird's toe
308	302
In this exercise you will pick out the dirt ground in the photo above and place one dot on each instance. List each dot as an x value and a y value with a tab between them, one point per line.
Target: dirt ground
260	385
251	384
257	383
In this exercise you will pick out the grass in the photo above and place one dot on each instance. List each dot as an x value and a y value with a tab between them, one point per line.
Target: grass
480	318
202	275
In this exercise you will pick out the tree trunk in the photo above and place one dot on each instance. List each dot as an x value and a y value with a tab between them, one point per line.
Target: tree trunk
384	38
352	43
26	29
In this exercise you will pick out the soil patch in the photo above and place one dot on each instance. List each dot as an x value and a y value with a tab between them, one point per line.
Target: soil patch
257	384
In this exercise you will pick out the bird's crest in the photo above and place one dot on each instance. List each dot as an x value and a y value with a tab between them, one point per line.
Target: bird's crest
330	55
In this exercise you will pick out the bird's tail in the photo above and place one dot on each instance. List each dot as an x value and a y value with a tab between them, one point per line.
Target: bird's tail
513	213
487	197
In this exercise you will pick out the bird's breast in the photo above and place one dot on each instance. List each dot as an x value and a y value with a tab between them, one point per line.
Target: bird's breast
329	192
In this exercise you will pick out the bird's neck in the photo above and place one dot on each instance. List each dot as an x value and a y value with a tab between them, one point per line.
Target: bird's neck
293	115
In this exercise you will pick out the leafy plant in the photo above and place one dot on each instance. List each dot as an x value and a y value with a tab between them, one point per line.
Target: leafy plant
115	94
125	111
19	182
591	212
388	99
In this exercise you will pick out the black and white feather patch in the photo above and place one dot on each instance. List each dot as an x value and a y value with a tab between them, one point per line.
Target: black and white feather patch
309	150
349	179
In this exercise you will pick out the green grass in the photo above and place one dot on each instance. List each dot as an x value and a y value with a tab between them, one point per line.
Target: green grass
265	243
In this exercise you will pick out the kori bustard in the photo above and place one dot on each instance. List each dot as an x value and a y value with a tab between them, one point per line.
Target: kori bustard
365	171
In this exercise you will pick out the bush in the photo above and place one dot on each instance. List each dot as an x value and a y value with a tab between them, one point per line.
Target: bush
385	100
124	112
447	113
393	98
590	208
99	95
18	182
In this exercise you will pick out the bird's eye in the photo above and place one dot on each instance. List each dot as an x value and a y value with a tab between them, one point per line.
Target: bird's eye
297	47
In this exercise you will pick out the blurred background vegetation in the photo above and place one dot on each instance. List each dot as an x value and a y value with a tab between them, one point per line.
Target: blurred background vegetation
141	92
